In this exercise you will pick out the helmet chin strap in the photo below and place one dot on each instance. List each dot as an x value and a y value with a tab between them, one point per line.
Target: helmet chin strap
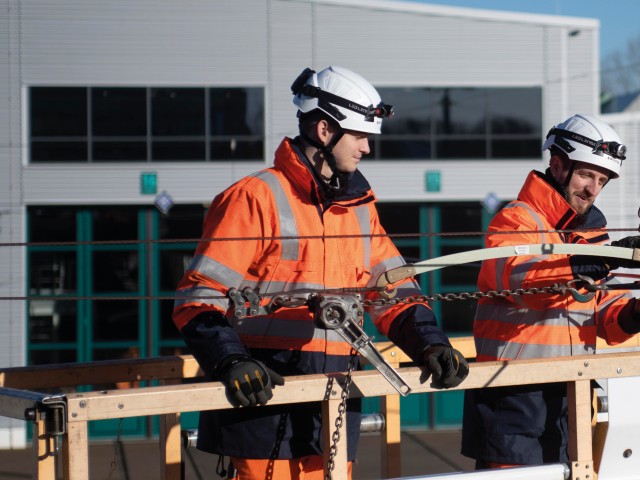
339	181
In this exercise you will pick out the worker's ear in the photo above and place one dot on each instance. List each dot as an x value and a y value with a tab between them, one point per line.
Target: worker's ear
557	166
324	131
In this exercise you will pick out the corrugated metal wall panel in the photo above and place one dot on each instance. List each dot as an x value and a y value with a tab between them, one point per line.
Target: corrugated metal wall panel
620	199
392	48
290	52
12	259
144	42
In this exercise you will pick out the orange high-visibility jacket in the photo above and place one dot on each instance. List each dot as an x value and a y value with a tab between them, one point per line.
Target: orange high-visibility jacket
283	202
541	325
282	236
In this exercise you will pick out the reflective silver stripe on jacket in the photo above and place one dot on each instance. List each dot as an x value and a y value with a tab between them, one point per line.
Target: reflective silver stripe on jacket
559	317
364	219
215	271
288	228
277	327
514	350
202	295
528	317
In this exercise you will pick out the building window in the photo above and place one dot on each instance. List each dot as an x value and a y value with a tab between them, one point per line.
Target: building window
461	123
138	124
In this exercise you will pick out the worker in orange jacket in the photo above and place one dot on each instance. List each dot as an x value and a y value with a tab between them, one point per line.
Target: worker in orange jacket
307	223
527	425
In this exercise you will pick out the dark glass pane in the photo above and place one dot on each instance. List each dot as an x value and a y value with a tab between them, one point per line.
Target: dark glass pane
115	272
100	354
173	264
170	351
410	254
404	149
399	217
412	113
234	149
46	357
119	151
52	224
119	111
58	151
114	223
457	316
516	149
52	273
115	320
466	274
52	321
177	111
236	111
460	148
58	111
516	110
461	218
459	110
182	221
168	330
170	151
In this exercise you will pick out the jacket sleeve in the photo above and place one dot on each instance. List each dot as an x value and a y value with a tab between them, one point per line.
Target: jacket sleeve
618	316
222	259
411	326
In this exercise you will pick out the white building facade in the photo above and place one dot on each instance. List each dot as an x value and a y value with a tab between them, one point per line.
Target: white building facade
106	105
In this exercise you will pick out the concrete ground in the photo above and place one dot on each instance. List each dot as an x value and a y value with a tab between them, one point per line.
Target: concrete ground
423	453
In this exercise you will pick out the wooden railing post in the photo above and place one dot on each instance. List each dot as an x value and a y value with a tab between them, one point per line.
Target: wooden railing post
390	453
43	448
75	450
580	445
330	411
170	447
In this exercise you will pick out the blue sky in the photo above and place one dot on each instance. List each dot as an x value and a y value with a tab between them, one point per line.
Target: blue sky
619	19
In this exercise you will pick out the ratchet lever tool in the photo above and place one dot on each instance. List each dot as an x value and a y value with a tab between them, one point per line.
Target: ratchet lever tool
344	314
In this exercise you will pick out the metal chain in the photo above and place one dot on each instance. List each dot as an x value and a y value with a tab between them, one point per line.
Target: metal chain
342	408
291	301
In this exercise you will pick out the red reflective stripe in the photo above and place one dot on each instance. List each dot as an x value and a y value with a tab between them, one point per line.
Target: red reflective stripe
538	334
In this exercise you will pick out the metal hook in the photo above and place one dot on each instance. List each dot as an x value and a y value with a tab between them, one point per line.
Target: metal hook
583	297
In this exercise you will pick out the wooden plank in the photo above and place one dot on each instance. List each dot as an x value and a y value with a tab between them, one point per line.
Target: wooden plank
369	383
330	413
110	371
75	451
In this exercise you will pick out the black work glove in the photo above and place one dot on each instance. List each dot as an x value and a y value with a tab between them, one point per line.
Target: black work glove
446	366
627	242
247	381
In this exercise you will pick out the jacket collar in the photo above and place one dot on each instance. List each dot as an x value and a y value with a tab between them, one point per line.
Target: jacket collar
538	193
290	160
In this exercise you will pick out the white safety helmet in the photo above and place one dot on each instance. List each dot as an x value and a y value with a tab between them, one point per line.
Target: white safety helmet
344	95
584	138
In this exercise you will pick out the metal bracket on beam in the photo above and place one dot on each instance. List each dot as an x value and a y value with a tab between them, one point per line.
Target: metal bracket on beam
32	406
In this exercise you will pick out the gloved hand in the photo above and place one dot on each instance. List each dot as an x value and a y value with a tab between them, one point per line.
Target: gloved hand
446	366
627	242
247	381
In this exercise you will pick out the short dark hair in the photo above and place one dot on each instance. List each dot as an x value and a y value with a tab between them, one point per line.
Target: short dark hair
307	120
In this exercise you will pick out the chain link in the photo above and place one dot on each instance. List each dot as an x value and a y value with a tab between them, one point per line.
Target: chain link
556	289
342	408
